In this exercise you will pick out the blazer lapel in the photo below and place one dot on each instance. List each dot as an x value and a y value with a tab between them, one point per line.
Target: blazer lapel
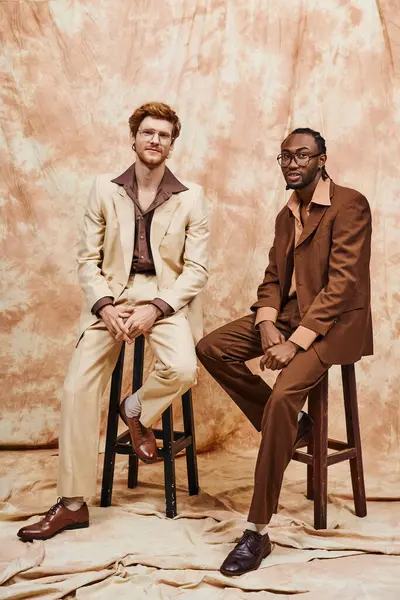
126	217
316	214
284	244
161	219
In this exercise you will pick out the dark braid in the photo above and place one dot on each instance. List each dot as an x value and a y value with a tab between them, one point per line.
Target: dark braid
319	141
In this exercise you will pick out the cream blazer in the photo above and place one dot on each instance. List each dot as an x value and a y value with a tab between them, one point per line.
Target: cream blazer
179	243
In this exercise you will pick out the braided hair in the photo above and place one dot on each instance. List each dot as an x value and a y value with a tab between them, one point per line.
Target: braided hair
320	141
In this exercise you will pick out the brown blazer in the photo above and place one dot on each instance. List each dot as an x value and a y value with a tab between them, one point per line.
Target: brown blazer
332	274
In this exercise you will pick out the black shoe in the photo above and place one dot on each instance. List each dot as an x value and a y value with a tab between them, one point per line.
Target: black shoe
247	554
304	431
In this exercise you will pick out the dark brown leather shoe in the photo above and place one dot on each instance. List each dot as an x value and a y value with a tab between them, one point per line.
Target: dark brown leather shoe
143	441
304	431
247	554
57	519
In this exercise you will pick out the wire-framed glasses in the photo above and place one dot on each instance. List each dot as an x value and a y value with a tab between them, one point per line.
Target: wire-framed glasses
150	134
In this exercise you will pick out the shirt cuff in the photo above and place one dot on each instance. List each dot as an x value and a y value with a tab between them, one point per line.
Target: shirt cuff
303	337
165	308
266	313
102	302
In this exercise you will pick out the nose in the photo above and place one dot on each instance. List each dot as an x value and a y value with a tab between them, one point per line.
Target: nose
156	138
292	164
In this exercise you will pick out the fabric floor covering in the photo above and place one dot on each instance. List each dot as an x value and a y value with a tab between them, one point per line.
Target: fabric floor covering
131	550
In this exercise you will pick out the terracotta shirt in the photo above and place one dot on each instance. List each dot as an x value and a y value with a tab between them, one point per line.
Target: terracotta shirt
142	260
302	336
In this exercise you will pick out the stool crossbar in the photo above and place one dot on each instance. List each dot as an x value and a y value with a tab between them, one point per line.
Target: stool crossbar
173	442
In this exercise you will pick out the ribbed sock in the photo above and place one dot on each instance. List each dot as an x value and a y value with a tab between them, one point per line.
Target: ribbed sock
133	406
74	503
258	527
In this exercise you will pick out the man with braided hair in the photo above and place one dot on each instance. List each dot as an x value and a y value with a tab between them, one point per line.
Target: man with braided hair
312	311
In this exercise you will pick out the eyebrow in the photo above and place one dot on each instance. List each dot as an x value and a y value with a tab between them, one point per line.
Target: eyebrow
297	149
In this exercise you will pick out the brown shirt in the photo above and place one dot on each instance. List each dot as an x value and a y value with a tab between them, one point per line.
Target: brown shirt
142	260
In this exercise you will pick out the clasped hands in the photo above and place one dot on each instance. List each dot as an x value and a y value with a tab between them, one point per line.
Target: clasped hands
277	351
126	323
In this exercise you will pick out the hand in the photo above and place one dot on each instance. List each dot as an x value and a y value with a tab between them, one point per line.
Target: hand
279	356
114	323
139	320
270	335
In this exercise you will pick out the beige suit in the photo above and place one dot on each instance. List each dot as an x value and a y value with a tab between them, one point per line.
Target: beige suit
178	239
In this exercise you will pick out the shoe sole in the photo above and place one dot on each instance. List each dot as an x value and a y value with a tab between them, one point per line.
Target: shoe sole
146	462
228	574
48	537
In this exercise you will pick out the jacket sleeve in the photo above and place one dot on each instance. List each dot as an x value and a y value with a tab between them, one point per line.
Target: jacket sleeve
194	275
90	251
348	262
269	291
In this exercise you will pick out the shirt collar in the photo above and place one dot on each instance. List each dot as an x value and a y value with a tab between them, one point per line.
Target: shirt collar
322	196
169	183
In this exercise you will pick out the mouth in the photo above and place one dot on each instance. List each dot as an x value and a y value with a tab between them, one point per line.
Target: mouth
153	150
293	177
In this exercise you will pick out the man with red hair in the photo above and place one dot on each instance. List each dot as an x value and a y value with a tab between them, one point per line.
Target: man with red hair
142	262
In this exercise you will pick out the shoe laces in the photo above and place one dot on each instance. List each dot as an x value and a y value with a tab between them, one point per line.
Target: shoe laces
248	539
54	508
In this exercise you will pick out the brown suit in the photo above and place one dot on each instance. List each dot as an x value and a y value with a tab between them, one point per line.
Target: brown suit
331	265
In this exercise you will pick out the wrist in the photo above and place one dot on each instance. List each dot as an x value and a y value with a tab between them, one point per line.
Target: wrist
157	311
294	345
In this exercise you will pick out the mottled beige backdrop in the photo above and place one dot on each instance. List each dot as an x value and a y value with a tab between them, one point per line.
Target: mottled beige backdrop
240	74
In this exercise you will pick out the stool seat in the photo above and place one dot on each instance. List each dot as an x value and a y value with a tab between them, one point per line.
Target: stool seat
317	458
173	441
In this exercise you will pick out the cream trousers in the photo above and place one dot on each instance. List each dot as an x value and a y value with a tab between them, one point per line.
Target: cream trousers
89	372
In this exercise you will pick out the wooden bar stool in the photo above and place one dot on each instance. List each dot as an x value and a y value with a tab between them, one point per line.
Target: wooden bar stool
172	441
317	458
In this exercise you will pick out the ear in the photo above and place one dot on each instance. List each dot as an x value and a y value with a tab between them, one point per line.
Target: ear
322	160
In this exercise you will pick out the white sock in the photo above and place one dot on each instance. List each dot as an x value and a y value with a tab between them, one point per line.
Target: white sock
299	416
133	406
74	503
258	527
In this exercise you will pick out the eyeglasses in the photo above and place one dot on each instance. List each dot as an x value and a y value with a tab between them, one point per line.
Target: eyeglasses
149	135
300	158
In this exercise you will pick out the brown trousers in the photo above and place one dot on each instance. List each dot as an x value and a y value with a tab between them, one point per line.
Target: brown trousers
273	412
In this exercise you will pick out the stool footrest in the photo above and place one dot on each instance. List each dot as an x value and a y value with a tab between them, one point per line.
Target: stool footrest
123	444
345	452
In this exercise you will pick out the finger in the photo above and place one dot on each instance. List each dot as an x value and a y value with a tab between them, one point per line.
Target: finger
262	362
124	314
122	326
127	309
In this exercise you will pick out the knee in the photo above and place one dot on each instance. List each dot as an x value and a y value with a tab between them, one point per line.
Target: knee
207	347
185	373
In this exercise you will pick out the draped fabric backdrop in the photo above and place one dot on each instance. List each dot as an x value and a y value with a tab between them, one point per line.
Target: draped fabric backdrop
241	75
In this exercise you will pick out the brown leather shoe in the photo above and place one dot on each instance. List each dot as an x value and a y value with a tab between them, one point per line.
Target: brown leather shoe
143	441
304	431
57	519
247	554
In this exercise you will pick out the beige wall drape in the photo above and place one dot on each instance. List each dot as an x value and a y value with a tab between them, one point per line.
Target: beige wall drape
241	75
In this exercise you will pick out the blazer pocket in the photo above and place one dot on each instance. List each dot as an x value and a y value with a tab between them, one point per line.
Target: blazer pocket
356	302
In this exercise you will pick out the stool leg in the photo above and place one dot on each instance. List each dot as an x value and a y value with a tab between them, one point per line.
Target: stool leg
191	458
319	401
137	381
354	438
169	463
112	431
133	470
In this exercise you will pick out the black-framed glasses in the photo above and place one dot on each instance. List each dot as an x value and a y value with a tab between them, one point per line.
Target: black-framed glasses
149	134
300	158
